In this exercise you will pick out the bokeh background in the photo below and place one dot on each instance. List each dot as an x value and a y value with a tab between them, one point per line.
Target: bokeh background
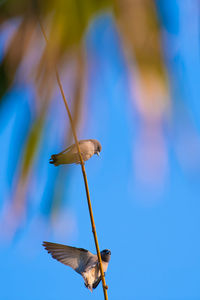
130	71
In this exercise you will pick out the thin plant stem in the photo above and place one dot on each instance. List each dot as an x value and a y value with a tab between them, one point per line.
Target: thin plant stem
105	287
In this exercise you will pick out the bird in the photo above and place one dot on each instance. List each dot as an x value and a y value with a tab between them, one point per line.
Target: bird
70	155
81	260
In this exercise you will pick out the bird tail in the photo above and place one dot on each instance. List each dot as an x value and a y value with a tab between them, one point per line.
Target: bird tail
53	160
89	286
95	284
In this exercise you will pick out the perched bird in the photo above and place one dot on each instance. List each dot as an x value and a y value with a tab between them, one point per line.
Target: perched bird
81	260
70	155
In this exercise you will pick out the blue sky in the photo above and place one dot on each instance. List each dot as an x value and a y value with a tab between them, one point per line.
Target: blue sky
152	231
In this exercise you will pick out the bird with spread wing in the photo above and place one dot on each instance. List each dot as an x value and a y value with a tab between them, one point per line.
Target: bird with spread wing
81	260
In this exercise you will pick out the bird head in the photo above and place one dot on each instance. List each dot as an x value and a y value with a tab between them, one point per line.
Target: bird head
97	146
105	255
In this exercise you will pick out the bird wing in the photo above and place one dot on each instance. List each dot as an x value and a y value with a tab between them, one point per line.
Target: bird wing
77	258
84	145
66	150
73	147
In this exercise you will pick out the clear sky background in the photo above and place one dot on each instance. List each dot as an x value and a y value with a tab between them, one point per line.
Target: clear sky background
149	219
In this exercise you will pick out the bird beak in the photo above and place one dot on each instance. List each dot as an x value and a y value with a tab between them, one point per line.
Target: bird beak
98	153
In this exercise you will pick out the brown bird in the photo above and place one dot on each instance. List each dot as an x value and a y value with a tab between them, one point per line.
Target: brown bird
70	155
81	260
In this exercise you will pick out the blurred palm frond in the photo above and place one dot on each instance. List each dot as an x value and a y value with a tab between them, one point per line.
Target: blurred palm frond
28	59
